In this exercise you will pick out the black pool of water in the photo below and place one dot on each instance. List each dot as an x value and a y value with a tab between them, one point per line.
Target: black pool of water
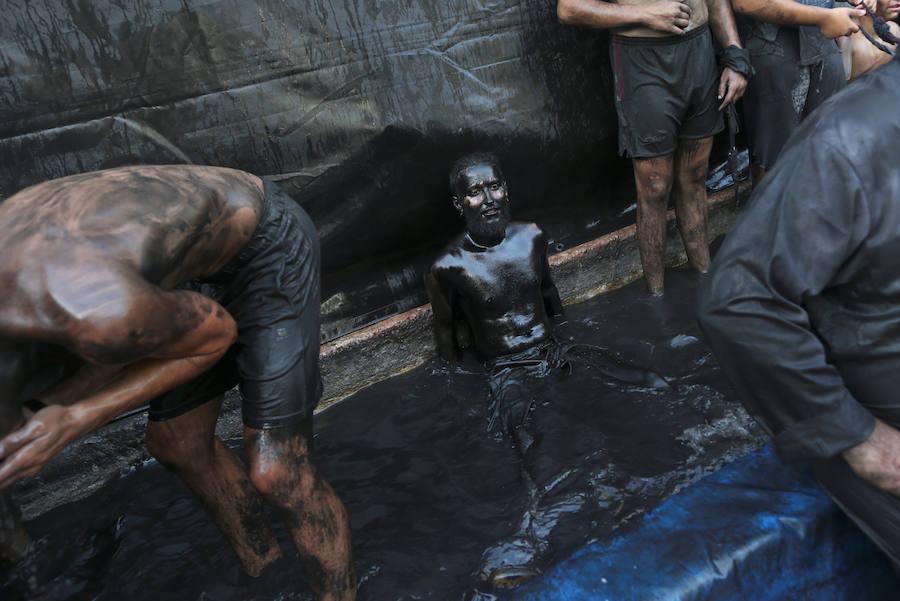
429	492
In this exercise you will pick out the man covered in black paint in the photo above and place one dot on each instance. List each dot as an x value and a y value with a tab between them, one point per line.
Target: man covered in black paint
170	285
495	279
802	307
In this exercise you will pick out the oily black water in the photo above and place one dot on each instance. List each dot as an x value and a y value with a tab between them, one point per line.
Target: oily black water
434	498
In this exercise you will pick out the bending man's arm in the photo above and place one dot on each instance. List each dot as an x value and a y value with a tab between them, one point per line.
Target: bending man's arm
201	332
803	223
832	22
670	16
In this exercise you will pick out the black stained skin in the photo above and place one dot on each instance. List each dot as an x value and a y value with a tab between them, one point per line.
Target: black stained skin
90	266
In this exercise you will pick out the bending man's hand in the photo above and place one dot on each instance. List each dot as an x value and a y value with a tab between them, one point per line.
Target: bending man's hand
669	16
877	460
731	87
24	452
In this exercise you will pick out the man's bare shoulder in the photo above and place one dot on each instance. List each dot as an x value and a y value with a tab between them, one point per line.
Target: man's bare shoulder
451	255
524	229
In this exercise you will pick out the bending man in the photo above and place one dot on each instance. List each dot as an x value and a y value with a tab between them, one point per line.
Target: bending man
170	285
669	98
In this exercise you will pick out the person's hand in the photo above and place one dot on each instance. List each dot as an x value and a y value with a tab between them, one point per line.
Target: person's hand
731	87
669	16
836	22
870	4
877	460
23	452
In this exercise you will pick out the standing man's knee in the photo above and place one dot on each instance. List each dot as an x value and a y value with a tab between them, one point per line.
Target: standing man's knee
281	467
653	177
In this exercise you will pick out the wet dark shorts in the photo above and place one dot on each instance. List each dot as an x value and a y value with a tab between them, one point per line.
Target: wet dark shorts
783	92
513	382
272	290
666	90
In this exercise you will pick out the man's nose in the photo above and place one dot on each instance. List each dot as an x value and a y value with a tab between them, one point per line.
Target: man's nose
488	195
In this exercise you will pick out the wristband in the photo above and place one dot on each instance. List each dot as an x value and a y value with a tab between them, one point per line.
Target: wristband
738	60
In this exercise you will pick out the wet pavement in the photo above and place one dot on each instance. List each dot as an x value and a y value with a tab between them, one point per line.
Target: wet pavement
433	497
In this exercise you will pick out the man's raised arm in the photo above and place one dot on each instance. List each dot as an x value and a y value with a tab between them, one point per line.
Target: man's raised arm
670	16
832	22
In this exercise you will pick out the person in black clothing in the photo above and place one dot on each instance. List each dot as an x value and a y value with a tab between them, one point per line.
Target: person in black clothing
797	63
802	306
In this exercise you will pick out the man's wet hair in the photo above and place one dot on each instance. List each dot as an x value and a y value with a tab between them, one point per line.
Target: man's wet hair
470	160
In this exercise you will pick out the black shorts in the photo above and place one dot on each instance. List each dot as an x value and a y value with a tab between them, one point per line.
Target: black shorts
271	289
666	90
513	381
783	92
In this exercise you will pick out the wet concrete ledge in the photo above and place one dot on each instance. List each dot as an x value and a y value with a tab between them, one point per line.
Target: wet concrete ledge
389	347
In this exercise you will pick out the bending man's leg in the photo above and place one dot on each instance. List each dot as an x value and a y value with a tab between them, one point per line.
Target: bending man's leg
281	469
188	446
691	169
653	178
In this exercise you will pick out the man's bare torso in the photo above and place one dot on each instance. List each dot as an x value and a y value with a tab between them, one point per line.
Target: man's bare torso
699	16
499	290
161	225
866	56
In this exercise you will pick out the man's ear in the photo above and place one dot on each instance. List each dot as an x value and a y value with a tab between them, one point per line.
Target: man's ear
456	204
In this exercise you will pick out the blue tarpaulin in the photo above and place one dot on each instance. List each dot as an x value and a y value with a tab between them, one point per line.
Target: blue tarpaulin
755	530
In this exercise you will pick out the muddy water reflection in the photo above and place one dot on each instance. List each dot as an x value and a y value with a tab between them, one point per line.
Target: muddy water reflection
428	491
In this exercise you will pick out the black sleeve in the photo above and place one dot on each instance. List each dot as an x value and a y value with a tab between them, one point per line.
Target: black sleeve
802	224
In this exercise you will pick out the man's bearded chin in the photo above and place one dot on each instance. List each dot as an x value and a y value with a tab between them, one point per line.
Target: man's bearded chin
490	231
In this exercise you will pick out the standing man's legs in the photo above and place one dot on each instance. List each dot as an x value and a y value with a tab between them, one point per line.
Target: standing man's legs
653	179
281	469
691	168
187	445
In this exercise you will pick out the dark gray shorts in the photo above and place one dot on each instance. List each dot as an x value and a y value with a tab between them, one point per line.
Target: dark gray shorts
271	289
783	92
666	90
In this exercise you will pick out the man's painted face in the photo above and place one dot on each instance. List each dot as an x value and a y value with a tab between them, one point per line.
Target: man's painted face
481	195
